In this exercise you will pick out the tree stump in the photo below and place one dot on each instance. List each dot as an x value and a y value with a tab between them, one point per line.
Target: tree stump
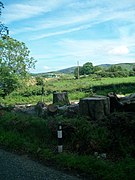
96	107
60	98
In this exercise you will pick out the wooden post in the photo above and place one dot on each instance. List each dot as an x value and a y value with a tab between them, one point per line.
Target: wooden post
59	136
43	93
96	107
78	70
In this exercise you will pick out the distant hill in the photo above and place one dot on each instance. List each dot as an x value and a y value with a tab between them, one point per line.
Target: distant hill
104	65
128	66
70	70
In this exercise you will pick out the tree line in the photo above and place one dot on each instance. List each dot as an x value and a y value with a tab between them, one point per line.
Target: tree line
111	71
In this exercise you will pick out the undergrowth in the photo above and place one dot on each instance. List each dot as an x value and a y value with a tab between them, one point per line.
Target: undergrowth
82	138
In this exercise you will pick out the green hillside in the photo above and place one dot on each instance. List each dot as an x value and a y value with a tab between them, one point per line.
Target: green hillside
128	66
70	70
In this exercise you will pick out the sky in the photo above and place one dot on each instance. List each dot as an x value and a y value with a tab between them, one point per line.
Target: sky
59	33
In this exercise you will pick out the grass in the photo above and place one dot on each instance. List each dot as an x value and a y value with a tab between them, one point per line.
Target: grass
84	164
76	88
37	136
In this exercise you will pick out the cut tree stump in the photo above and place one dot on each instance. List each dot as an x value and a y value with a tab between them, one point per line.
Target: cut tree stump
60	98
96	107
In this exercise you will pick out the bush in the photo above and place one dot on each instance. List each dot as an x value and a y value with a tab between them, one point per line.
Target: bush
121	128
40	81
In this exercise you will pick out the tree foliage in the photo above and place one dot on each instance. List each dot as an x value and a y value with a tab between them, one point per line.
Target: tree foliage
15	55
115	68
86	69
97	71
14	63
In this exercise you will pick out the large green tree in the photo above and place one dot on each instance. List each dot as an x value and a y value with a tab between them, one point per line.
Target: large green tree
88	68
15	61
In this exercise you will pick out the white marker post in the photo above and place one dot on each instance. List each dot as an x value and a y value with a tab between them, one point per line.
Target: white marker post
59	136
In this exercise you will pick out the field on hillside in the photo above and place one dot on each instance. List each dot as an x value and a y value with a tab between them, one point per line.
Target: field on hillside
76	88
103	149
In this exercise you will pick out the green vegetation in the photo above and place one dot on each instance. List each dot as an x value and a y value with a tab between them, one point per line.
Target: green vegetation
83	138
101	150
77	88
113	136
14	64
119	70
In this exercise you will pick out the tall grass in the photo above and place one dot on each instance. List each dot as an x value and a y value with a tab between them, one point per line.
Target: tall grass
76	88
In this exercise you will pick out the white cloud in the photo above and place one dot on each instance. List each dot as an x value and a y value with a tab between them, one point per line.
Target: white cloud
57	22
97	51
73	13
120	50
60	32
46	68
41	19
80	22
20	11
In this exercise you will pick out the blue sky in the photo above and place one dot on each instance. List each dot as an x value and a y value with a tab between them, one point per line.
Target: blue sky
61	32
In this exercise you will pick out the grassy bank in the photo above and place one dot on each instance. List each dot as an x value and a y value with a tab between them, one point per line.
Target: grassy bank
82	138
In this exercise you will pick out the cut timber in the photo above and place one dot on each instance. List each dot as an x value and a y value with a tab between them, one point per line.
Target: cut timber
115	104
39	108
52	109
96	107
60	98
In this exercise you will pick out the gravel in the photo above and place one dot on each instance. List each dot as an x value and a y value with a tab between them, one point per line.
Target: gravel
16	167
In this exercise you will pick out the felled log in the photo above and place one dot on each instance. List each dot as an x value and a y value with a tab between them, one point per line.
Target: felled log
96	107
39	108
115	104
60	98
128	103
52	109
128	99
72	110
